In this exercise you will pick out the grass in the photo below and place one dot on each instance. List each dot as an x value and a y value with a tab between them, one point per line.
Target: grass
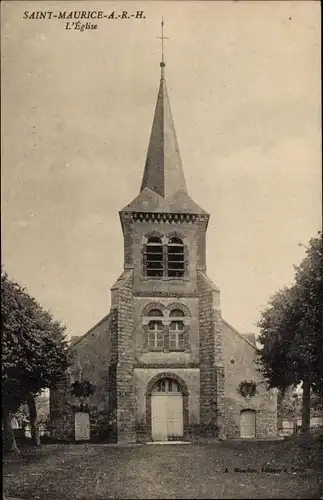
280	469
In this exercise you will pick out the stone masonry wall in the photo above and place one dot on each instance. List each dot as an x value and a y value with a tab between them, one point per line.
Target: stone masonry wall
166	358
61	413
125	408
201	245
92	356
127	240
91	362
143	285
211	364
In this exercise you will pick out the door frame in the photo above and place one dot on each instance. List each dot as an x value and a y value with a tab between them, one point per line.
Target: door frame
185	395
88	425
244	411
168	397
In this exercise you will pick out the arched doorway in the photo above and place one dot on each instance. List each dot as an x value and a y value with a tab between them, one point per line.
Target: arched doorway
166	410
248	424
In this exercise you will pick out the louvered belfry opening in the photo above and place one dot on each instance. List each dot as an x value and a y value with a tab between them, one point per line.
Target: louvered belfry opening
175	258
154	256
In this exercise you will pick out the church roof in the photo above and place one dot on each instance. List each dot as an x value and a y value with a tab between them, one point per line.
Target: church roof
121	280
251	337
163	187
76	339
150	201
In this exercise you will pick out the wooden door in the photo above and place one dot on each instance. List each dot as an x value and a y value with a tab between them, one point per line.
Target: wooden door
175	415
82	426
166	416
159	417
248	424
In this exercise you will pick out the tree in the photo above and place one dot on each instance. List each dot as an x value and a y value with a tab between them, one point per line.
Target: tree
22	416
34	354
277	327
42	406
289	405
291	331
309	283
316	404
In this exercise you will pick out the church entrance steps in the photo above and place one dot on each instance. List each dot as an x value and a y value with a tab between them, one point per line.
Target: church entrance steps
115	445
206	441
12	498
168	442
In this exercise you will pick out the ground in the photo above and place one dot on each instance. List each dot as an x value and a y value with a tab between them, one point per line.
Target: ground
102	472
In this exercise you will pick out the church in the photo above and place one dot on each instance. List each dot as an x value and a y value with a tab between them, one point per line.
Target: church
164	363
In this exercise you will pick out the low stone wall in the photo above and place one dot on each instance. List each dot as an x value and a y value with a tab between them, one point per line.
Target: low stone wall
289	427
266	424
102	427
63	427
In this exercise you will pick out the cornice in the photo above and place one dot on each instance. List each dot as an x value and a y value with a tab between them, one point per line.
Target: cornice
164	294
163	217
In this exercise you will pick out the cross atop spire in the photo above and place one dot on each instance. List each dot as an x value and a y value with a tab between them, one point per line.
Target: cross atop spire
162	38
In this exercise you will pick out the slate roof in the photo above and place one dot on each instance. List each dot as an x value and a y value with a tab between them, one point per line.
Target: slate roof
163	187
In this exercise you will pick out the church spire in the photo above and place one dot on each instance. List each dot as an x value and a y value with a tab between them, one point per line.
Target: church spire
163	188
163	172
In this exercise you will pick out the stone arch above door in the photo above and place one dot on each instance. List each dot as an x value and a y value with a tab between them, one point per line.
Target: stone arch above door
162	375
185	394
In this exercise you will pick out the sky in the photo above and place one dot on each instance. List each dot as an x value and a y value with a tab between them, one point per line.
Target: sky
244	82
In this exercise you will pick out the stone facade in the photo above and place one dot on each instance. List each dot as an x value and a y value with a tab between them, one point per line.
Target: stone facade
212	358
114	356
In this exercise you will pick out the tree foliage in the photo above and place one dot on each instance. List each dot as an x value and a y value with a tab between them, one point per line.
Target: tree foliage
277	328
34	349
291	333
289	405
309	335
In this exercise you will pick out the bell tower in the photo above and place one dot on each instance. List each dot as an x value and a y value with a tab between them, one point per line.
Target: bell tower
164	229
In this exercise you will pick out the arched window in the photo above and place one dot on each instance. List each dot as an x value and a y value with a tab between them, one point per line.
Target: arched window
155	335
177	313
175	258
155	313
167	385
176	336
176	330
154	257
163	332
